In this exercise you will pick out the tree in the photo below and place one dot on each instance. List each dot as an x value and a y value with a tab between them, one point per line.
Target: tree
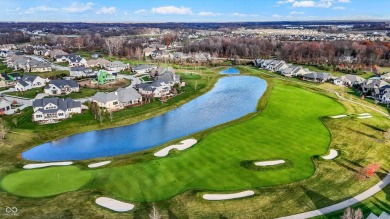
110	115
15	121
100	114
371	169
94	109
352	214
3	128
154	214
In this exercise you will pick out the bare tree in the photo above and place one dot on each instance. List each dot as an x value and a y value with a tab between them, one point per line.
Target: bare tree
100	114
155	214
15	121
95	109
4	129
352	214
110	115
113	45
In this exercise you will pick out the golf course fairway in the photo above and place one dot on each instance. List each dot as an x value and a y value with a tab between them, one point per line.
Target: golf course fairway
289	129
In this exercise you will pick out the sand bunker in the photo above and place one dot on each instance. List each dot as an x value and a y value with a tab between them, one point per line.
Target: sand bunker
338	116
95	165
332	155
184	145
40	165
114	205
364	117
269	163
218	197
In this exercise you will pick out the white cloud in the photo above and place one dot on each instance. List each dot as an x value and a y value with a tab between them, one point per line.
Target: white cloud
339	8
208	14
43	8
172	10
141	11
285	2
297	12
313	4
276	16
76	7
239	15
345	1
106	10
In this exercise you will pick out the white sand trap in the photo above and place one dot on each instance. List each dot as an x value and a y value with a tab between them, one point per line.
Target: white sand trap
184	145
269	163
218	197
338	116
40	165
114	205
332	155
364	114
364	117
94	165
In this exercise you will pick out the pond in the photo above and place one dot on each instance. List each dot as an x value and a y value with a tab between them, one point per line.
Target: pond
230	71
230	99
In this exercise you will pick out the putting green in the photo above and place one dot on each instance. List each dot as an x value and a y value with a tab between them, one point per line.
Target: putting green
288	129
46	181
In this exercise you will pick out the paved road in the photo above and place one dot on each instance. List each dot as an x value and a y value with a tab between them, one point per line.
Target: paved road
345	204
134	80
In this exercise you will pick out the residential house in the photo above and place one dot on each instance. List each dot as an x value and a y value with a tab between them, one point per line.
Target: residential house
161	86
159	55
95	56
39	66
202	57
107	100
61	87
348	80
179	56
54	109
372	86
143	69
80	71
103	77
116	66
316	77
148	51
96	63
57	53
76	60
347	59
386	77
294	71
276	66
61	58
30	81
5	106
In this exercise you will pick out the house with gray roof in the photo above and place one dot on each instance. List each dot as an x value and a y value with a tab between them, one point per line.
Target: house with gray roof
294	71
39	66
54	109
80	71
143	69
123	97
5	106
116	66
316	77
162	84
372	86
30	81
348	80
61	87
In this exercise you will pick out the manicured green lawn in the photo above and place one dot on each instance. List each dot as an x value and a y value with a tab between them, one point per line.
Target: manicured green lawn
289	128
44	182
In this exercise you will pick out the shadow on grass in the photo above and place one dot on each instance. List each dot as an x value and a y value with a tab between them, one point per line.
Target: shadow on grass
374	127
373	137
352	162
318	200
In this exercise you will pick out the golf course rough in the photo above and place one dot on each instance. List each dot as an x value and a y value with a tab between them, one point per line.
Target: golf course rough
288	129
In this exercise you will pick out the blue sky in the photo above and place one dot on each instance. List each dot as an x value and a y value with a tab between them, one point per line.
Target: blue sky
192	10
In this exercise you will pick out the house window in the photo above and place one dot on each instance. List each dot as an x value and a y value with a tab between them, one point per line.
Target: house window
115	103
38	116
60	114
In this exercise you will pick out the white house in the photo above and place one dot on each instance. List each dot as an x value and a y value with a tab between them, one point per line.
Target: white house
61	87
30	81
5	106
116	66
123	97
386	77
54	109
143	69
348	80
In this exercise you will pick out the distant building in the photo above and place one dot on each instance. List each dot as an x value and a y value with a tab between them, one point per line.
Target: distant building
61	87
